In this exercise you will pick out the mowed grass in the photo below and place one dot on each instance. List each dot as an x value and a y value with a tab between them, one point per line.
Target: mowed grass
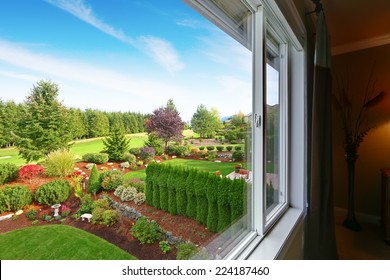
210	166
79	148
57	242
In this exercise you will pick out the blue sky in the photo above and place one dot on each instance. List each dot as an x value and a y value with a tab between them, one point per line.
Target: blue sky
122	55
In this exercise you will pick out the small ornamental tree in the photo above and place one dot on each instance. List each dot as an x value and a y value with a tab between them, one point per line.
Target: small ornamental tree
116	144
30	170
94	181
166	123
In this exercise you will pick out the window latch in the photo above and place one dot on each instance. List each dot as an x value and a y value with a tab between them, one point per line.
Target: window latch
257	120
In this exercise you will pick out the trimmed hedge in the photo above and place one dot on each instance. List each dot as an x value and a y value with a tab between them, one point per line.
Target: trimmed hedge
8	172
213	201
53	192
98	158
14	198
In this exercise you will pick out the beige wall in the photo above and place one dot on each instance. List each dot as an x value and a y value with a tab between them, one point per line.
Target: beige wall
375	150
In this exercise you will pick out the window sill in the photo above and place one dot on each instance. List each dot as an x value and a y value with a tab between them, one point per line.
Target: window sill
271	246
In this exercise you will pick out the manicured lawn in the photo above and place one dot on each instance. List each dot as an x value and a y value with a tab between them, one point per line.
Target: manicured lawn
224	167
10	155
57	242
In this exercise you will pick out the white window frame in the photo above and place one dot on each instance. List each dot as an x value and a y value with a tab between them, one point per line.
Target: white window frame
267	238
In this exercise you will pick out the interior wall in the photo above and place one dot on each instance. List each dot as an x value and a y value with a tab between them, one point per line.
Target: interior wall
354	69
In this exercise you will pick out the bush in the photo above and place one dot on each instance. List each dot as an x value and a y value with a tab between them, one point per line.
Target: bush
171	149
201	148
238	155
139	198
124	165
139	163
59	163
138	184
32	214
14	198
212	155
181	150
164	246
94	181
128	194
30	170
146	231
102	216
210	148
89	166
147	154
135	151
237	148
185	251
86	204
229	148
98	158
220	148
129	157
111	179
53	192
118	191
8	172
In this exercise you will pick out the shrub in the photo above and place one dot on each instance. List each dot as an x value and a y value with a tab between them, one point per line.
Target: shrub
201	197
181	192
220	148
13	198
146	231
32	214
191	198
140	163
210	148
30	170
86	204
98	158
94	181
116	144
138	184
102	216
65	211
147	153
181	150
165	247
171	149
118	191
112	180
135	151
212	155
238	155
124	165
139	198
59	163
89	166
128	194
53	192
129	157
155	142
237	148
8	172
194	151
201	148
185	251
229	148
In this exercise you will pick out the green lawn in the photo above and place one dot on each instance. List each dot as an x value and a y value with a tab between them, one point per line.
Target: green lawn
224	167
57	242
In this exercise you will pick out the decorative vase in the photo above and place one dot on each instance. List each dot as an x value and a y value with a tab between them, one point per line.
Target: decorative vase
350	222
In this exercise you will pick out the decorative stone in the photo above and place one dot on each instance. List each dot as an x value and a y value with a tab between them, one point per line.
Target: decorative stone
218	161
6	217
110	163
19	212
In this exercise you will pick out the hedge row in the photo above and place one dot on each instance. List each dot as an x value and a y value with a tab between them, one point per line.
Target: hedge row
213	201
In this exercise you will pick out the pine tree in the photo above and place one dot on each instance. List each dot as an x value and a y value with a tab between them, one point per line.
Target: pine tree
116	144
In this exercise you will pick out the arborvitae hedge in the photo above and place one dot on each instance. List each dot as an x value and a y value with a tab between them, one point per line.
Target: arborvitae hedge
224	211
171	185
181	192
212	201
213	183
163	180
191	198
201	197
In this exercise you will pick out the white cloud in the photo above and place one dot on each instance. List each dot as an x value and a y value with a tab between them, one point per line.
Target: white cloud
162	51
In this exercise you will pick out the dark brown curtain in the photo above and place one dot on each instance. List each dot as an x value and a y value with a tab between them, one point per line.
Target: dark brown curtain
320	233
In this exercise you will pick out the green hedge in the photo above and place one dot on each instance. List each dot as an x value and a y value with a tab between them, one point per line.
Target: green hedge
54	192
213	201
8	172
14	198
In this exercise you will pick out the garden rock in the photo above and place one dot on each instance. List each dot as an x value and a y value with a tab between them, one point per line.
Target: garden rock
6	217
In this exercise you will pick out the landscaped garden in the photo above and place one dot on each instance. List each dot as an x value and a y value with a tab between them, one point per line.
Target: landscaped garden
159	194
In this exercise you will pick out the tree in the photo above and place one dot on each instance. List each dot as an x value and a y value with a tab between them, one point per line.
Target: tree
94	181
77	124
44	124
205	122
116	144
166	123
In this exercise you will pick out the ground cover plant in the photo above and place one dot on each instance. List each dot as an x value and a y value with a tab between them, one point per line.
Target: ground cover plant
61	242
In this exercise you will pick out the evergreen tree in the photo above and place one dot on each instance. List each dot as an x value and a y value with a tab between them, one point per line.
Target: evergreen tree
116	144
150	173
212	193
156	185
205	122
163	182
181	192
94	181
44	123
191	197
201	197
171	184
236	197
224	211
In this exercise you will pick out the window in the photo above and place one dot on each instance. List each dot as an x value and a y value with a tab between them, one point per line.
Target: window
275	198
